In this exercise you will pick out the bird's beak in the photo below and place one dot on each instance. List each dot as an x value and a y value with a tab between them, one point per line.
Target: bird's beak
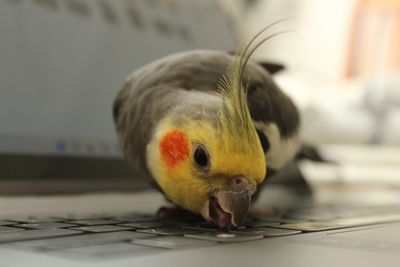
229	206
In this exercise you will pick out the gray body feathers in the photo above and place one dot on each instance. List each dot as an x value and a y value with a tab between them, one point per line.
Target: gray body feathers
188	81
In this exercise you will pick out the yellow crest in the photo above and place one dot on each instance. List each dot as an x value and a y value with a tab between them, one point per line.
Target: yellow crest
235	115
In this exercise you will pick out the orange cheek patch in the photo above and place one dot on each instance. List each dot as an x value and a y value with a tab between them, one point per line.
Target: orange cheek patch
174	148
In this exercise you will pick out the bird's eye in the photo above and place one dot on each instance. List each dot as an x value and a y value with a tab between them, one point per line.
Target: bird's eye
201	156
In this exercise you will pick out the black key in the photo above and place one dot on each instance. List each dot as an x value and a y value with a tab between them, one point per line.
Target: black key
8	229
175	223
175	242
145	225
35	234
260	223
203	226
94	222
225	237
84	240
267	232
171	231
102	228
6	223
135	217
83	217
287	221
47	225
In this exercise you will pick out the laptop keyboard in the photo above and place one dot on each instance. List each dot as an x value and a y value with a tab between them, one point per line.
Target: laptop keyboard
141	234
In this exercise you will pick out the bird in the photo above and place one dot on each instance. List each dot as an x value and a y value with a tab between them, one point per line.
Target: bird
206	126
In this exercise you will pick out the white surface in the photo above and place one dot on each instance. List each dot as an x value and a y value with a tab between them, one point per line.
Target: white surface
331	112
344	111
363	154
60	69
287	251
355	164
86	204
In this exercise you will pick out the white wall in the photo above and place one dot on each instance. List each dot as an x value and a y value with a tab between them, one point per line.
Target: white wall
320	42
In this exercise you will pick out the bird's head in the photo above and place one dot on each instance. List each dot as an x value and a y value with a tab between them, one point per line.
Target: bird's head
208	170
210	160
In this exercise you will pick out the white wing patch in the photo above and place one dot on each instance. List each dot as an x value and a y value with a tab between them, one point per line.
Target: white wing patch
281	149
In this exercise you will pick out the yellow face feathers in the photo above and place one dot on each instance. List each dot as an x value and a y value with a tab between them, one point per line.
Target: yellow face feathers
172	161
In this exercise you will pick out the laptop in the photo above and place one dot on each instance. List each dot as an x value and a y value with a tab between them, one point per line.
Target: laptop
68	198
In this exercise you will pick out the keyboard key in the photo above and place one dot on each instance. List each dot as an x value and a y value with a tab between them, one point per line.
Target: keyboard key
171	231
290	221
310	217
47	225
270	218
341	223
145	225
225	237
95	222
178	214
102	228
84	240
135	217
174	242
267	232
203	226
35	234
32	219
6	223
175	223
83	217
114	250
8	229
260	223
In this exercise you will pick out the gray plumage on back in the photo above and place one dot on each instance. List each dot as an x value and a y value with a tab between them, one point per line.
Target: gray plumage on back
181	80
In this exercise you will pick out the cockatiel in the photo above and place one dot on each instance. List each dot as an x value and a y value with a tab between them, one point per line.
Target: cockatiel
204	125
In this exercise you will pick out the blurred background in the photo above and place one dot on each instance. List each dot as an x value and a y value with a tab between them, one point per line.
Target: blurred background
63	61
343	63
343	71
